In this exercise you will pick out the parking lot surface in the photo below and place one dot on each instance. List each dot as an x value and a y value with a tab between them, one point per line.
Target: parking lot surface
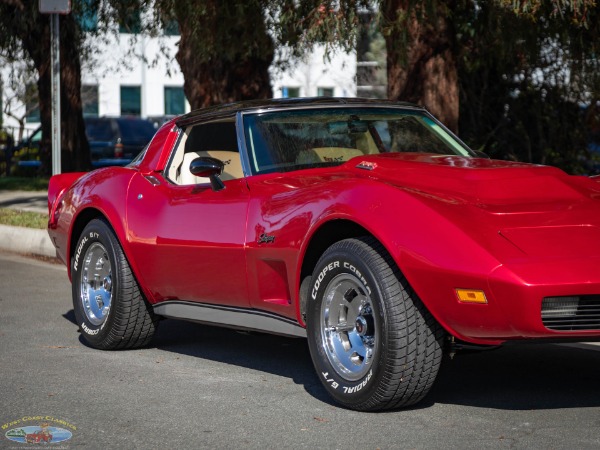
205	387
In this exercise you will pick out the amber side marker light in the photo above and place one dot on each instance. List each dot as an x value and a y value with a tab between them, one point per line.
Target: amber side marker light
470	296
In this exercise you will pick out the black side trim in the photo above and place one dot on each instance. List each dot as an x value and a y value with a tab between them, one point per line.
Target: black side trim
231	317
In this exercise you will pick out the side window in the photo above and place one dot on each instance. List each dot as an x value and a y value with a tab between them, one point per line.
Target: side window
215	139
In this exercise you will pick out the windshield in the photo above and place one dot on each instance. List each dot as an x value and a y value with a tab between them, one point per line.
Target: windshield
298	139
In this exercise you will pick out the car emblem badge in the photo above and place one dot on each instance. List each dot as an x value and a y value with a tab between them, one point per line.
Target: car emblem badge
266	239
366	165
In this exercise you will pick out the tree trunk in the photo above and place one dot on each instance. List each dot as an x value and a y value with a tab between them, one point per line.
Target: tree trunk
208	84
223	63
75	154
423	71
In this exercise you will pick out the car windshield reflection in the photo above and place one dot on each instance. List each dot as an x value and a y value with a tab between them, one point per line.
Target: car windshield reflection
292	140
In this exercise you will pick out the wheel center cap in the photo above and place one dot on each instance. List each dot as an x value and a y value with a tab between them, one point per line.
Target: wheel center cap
361	325
107	284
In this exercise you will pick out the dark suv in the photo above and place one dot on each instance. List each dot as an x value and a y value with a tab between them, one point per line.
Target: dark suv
115	141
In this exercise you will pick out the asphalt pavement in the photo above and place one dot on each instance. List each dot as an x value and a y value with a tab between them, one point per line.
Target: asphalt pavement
203	387
36	201
199	387
25	240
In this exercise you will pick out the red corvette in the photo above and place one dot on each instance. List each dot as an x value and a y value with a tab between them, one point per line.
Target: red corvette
366	227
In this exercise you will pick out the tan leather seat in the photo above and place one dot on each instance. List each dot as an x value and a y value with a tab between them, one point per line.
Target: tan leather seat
232	166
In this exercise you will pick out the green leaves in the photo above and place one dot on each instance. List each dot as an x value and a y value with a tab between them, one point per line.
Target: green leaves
575	11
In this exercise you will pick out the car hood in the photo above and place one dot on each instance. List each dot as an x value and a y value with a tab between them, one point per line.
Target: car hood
540	210
492	184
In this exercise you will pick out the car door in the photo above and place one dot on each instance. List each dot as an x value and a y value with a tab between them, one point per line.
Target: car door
188	240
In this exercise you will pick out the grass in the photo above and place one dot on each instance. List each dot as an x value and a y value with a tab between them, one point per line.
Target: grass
26	219
14	217
23	184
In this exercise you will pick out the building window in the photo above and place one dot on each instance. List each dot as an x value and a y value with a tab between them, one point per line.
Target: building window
290	92
89	100
32	106
325	92
129	19
87	16
131	100
174	100
171	28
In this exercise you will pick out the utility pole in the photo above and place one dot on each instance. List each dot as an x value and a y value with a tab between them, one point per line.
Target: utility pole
54	8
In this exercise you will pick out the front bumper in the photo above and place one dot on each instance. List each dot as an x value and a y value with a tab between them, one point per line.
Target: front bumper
560	288
515	295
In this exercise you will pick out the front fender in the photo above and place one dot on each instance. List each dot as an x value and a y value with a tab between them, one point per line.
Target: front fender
432	245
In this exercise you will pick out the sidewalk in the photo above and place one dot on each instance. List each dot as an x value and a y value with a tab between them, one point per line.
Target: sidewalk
20	239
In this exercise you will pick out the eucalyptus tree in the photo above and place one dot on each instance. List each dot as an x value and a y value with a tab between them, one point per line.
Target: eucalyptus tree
227	46
529	81
510	75
477	66
459	58
426	41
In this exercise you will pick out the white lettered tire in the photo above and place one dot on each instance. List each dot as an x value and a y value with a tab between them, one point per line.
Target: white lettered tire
373	343
109	308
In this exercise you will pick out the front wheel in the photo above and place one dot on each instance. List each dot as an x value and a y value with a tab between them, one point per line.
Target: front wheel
109	307
373	343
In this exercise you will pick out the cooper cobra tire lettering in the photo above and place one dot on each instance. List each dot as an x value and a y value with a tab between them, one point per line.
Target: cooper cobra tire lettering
371	339
319	278
358	274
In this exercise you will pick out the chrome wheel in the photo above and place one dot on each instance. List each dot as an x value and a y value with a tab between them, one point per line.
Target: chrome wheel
109	307
349	328
96	284
373	343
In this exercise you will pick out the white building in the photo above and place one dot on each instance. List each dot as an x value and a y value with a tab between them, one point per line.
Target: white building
131	75
313	76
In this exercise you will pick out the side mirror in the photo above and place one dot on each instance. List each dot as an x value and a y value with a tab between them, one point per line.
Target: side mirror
210	168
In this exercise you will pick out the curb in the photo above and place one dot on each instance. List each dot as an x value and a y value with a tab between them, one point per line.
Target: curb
26	240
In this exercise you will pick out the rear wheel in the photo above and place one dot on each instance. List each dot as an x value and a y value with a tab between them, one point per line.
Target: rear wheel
373	343
109	307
